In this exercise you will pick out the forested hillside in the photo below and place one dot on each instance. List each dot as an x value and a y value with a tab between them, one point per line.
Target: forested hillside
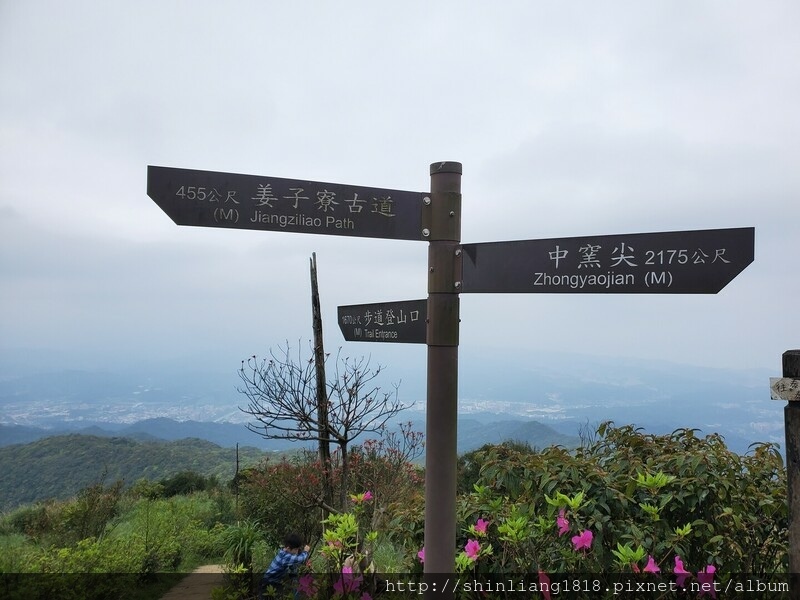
58	467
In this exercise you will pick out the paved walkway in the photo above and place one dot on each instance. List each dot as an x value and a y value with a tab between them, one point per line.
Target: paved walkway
197	585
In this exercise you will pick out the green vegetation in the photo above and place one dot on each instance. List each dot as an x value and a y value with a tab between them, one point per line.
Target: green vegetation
138	537
59	467
663	497
653	506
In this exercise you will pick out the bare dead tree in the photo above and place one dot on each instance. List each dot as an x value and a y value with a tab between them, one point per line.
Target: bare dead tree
282	398
324	446
358	406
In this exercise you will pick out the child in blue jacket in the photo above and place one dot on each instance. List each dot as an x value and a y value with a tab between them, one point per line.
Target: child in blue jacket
285	563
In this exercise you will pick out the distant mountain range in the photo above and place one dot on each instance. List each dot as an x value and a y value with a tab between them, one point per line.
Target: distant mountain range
192	416
564	392
473	433
226	435
571	392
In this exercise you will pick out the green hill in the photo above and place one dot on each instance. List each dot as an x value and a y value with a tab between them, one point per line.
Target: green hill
60	466
476	431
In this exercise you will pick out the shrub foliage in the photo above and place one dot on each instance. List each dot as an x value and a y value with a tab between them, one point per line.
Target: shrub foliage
642	495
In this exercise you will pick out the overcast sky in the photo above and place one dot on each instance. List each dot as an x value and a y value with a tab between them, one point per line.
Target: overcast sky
570	119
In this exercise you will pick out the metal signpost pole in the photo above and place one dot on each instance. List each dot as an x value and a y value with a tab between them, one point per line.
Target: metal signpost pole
442	397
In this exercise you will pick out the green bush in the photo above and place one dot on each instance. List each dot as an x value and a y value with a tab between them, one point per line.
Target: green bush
170	532
284	495
238	541
14	551
89	513
148	538
640	495
280	496
187	482
32	521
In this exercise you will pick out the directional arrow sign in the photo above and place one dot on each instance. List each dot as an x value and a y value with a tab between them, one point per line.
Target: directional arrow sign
678	262
385	322
212	199
784	388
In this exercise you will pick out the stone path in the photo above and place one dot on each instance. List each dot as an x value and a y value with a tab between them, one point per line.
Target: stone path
197	585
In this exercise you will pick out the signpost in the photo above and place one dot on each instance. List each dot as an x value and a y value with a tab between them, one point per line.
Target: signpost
213	199
784	388
403	322
681	262
788	388
678	262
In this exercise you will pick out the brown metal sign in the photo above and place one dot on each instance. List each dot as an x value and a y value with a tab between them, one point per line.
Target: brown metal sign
677	262
403	322
213	199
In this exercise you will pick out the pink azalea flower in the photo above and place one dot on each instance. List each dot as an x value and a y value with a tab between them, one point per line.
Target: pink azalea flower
305	585
583	541
651	567
706	580
421	555
472	549
363	497
680	571
346	584
563	524
544	585
481	526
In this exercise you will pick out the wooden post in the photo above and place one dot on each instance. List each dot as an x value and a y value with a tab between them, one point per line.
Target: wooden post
442	395
324	447
791	413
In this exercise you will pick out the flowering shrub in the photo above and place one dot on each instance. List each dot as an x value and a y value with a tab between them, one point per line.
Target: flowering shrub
285	495
678	508
385	466
676	505
347	551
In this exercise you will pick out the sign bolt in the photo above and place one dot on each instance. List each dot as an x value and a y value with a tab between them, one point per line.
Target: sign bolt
458	285
426	232
426	200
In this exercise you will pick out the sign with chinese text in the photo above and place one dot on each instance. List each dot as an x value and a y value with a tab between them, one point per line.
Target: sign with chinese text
213	199
677	262
784	388
403	322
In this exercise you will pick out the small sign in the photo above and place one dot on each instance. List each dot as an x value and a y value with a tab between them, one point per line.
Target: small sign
784	388
678	262
213	199
403	322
